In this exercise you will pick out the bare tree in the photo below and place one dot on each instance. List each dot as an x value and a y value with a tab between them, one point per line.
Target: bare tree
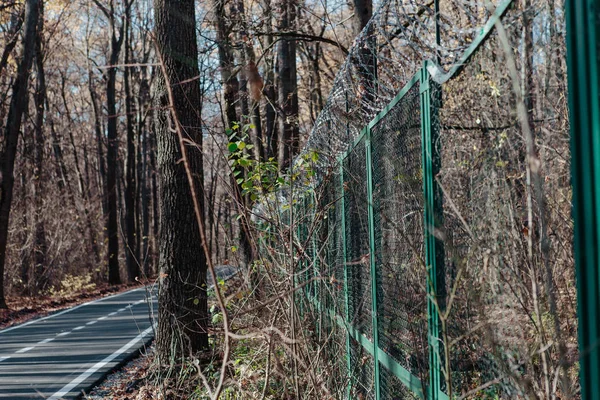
13	125
183	314
40	245
112	153
287	85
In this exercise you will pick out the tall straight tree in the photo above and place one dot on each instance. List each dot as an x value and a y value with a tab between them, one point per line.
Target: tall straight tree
112	151
39	238
18	103
183	313
231	96
365	58
288	85
132	253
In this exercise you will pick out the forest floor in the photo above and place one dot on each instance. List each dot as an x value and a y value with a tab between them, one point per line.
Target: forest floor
23	308
128	383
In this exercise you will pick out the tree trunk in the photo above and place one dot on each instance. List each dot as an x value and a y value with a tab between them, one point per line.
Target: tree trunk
40	247
112	156
145	197
253	84
270	145
132	255
144	171
229	80
288	86
13	33
363	11
99	146
155	202
183	313
18	103
366	58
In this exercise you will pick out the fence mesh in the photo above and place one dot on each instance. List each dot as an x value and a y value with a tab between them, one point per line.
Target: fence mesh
357	240
398	222
462	184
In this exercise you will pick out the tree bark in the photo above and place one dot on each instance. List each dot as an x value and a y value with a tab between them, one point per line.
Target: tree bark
132	255
183	313
17	106
112	156
288	142
40	246
229	80
365	58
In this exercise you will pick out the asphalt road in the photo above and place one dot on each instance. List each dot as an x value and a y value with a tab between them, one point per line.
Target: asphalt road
64	354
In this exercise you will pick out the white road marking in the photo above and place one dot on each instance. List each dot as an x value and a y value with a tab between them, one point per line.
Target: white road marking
25	350
46	341
92	322
112	313
4	358
70	386
79	327
66	311
64	333
101	318
121	309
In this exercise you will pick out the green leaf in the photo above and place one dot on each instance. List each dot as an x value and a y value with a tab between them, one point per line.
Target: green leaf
241	145
232	147
196	302
217	318
247	185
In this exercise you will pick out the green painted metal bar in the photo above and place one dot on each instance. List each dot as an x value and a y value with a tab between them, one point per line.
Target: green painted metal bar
429	223
373	271
354	144
318	283
408	379
583	39
440	76
305	240
346	300
414	80
298	263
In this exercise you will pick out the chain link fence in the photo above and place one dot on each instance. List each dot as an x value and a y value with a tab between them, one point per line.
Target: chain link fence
431	208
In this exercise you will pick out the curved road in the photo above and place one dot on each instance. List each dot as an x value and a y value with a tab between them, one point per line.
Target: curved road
65	354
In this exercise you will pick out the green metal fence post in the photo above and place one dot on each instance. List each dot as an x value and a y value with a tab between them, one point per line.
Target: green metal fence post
583	31
346	301
373	272
298	263
318	283
431	255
